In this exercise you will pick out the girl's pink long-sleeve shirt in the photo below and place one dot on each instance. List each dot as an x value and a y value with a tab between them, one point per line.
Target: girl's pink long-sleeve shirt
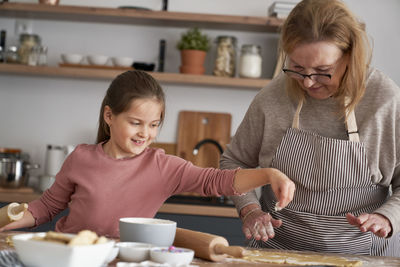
99	189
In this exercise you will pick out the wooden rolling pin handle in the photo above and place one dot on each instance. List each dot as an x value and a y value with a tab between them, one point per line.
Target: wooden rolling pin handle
234	251
18	209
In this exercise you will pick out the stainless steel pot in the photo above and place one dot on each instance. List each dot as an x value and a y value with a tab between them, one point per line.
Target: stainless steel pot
14	172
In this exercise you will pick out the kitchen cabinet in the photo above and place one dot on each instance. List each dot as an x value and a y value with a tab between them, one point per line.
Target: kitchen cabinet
137	17
230	228
220	220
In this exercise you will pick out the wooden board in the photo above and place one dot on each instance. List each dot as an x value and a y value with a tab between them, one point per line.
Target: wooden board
23	194
169	148
16	190
196	126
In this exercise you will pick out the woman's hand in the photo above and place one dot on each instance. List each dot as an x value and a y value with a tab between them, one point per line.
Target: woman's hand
374	222
257	223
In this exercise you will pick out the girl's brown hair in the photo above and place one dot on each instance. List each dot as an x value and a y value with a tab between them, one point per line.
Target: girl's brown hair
125	88
329	20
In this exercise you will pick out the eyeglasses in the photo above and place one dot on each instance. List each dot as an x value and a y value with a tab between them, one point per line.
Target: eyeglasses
316	77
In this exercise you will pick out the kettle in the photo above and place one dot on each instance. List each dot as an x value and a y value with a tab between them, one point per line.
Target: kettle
55	156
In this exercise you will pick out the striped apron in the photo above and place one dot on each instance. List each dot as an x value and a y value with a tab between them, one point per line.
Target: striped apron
332	178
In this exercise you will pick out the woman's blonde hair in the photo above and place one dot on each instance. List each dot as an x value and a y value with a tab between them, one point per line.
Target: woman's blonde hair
123	90
329	20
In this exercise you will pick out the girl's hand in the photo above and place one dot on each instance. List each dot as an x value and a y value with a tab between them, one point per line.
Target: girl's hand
26	221
282	187
374	222
258	224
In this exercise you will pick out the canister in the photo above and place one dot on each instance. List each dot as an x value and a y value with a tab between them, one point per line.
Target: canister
27	43
250	62
225	61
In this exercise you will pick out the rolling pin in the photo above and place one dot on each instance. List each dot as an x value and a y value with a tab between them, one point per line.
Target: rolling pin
12	212
207	246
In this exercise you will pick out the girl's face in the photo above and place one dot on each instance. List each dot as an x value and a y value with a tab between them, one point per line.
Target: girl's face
133	130
319	57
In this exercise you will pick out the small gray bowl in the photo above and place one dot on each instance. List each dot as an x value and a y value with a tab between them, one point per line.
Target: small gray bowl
157	232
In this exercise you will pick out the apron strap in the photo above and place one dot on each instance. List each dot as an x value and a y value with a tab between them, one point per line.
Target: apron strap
295	122
351	123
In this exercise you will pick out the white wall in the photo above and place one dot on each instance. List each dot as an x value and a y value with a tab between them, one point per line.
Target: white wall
35	111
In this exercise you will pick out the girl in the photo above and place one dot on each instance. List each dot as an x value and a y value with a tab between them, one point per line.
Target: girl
121	176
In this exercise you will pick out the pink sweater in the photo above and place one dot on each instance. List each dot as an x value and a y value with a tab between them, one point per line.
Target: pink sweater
99	189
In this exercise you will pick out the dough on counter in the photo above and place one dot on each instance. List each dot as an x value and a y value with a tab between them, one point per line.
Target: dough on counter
299	259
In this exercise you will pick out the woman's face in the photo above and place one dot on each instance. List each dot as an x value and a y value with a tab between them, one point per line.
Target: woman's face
321	57
133	130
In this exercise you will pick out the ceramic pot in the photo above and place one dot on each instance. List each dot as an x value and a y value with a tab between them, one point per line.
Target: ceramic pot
192	61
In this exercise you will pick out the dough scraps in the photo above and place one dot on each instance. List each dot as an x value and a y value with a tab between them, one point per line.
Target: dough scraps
299	259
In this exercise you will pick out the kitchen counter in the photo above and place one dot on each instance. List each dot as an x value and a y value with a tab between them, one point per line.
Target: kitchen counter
368	261
28	194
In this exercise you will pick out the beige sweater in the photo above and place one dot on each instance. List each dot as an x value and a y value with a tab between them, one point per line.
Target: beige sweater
378	119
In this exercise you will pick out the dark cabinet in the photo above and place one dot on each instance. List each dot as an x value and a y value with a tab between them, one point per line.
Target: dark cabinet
230	228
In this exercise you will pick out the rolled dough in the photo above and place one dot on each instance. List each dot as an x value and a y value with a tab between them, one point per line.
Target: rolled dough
299	259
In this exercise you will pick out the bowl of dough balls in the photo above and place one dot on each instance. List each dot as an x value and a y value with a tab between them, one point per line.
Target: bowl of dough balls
172	255
49	249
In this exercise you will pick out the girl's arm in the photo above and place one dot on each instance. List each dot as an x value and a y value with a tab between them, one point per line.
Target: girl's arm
248	179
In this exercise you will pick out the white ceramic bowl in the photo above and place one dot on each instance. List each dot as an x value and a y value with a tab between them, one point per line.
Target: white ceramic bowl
134	251
174	256
122	61
157	232
50	254
112	255
72	58
97	59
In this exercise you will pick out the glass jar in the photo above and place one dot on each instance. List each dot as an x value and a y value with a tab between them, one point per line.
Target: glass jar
11	55
250	62
226	56
27	42
33	58
42	56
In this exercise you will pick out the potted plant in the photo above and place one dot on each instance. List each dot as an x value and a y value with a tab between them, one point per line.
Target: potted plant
193	46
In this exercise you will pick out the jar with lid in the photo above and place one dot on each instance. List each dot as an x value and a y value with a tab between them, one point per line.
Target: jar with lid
250	62
225	62
33	58
27	42
11	55
42	60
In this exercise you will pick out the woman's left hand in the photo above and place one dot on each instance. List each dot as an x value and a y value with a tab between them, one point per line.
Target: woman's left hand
374	222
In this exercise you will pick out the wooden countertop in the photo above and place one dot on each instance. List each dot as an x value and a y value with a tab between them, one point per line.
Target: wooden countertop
27	194
368	261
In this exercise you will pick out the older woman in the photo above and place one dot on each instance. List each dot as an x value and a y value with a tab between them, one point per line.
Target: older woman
335	131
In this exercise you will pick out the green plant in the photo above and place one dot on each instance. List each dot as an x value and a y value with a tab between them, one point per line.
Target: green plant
195	40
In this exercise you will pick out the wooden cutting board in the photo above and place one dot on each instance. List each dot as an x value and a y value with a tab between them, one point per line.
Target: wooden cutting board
194	127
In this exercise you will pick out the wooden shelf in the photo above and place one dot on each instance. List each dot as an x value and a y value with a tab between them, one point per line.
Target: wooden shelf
109	74
144	17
